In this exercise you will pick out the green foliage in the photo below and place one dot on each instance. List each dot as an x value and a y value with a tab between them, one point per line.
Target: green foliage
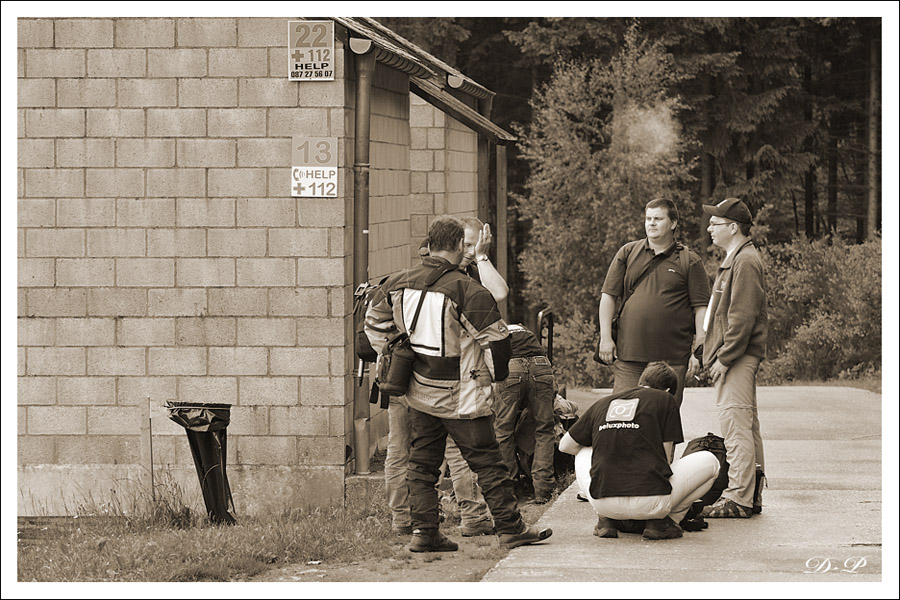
824	310
574	342
603	141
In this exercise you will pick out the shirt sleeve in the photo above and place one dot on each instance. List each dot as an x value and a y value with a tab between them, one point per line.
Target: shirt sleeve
698	282
481	318
672	431
379	323
583	430
614	284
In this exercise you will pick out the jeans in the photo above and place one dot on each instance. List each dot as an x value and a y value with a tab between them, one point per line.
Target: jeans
739	421
530	384
477	444
472	507
628	373
692	476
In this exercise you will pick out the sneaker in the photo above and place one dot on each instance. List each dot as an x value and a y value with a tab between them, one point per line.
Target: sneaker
402	530
482	528
529	535
605	528
662	529
541	499
431	540
726	509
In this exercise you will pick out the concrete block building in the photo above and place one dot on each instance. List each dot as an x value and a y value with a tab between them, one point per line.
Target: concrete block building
162	256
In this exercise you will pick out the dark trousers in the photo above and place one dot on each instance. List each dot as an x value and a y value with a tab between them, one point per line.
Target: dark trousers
530	385
477	444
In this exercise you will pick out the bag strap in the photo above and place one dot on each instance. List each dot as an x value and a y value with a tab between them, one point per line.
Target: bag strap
429	281
655	262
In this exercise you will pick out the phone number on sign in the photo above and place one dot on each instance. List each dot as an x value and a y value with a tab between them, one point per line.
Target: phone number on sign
311	73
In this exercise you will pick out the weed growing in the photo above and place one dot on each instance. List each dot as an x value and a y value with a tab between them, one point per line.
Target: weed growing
157	537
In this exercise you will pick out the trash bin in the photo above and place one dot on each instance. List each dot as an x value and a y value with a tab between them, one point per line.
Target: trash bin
206	426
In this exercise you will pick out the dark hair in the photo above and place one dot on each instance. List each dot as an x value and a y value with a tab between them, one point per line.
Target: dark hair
445	234
660	376
665	203
744	228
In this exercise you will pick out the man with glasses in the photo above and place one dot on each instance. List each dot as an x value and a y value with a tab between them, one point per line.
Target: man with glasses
736	331
661	310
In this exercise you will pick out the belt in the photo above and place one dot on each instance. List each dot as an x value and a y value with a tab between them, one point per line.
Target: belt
538	360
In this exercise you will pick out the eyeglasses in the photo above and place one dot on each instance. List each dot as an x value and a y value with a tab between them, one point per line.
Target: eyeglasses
711	224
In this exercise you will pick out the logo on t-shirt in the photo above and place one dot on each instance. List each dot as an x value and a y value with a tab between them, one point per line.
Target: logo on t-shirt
622	410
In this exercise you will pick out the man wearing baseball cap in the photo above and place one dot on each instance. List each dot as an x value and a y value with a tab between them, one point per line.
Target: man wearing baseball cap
736	331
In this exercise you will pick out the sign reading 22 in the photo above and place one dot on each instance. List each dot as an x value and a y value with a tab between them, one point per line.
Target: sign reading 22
305	32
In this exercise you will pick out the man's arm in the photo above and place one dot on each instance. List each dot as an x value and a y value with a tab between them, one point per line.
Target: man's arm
379	321
669	447
699	338
490	277
607	312
570	446
481	318
747	295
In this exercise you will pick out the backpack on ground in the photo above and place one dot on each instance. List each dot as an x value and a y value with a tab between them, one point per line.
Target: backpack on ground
713	443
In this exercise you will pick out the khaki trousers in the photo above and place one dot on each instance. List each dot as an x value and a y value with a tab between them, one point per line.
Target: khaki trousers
739	422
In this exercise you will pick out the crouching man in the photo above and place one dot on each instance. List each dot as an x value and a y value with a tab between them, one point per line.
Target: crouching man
623	447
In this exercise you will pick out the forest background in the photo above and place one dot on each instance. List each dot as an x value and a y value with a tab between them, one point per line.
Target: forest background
784	113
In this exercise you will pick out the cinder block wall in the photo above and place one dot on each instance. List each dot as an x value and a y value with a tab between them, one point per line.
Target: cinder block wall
161	257
389	178
443	160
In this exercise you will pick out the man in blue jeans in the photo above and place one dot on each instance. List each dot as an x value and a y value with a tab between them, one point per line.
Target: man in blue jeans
530	384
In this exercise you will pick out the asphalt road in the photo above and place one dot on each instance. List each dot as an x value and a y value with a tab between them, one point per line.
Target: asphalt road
821	521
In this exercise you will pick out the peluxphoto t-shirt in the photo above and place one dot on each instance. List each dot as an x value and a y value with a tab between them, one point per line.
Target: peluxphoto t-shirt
627	432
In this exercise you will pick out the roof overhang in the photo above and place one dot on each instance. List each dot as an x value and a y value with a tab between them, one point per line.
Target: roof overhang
459	110
429	76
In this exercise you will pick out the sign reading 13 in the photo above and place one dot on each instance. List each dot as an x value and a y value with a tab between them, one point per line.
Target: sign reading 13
314	173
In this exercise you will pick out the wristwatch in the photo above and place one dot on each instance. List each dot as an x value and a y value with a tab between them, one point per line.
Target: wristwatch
481	258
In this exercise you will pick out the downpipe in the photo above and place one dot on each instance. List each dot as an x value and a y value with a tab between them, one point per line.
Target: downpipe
364	60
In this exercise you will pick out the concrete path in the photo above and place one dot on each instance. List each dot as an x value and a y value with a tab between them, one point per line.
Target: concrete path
821	520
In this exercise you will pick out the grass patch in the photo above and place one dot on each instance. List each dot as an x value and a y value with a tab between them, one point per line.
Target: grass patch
159	538
122	549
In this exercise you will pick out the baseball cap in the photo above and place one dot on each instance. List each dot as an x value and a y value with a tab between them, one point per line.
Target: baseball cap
730	208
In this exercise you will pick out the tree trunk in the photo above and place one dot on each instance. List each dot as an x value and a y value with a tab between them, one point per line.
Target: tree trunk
809	181
872	183
831	174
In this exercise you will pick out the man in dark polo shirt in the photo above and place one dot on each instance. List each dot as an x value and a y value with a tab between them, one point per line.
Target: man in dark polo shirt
660	313
623	447
530	384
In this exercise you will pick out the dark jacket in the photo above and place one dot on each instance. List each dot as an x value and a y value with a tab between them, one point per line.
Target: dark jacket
461	343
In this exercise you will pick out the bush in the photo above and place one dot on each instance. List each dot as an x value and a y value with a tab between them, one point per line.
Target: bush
574	342
824	310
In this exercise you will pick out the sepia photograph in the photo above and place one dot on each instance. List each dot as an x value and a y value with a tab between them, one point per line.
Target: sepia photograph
516	302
